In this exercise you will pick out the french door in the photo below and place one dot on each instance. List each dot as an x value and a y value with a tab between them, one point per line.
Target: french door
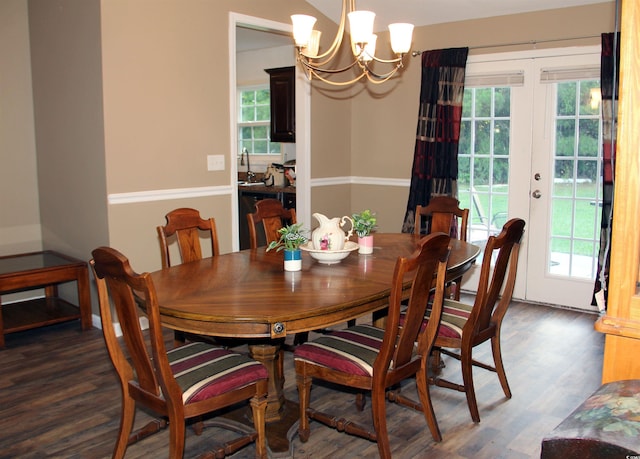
530	147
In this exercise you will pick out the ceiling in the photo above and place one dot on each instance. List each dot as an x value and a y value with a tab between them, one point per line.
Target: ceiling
417	12
427	12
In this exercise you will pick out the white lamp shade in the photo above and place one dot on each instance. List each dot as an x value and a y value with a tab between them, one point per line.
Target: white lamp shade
361	25
302	28
401	37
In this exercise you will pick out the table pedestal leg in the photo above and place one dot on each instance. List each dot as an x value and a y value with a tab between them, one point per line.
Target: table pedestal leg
281	414
271	357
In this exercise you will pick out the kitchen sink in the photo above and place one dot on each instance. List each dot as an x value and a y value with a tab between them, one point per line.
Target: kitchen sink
250	183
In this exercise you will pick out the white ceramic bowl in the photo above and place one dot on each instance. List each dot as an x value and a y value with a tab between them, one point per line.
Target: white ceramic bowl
330	257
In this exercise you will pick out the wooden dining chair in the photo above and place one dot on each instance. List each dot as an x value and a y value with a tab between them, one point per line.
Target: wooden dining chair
188	227
269	217
373	359
465	326
443	214
180	384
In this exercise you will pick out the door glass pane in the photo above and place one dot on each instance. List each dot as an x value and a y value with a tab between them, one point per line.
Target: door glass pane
576	197
483	160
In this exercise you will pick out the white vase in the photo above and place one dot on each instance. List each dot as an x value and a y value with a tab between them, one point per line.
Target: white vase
365	244
292	260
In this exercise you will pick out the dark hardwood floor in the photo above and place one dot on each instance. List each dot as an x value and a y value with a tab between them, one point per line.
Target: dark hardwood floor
59	397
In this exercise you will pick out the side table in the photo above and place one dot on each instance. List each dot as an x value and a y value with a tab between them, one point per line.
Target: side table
46	270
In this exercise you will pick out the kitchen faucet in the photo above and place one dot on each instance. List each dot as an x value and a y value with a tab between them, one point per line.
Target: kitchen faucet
250	175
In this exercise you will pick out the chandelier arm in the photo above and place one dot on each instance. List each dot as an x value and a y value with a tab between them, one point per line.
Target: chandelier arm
380	78
337	41
317	68
336	83
389	61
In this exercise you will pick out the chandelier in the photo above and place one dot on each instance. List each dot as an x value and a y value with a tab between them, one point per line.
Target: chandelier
363	46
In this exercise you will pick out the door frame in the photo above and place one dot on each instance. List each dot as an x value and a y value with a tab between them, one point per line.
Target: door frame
303	124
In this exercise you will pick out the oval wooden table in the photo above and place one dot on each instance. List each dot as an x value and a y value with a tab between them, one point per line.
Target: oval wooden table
248	295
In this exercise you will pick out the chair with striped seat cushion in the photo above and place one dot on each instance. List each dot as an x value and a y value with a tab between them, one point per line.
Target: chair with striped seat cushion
372	359
180	384
464	326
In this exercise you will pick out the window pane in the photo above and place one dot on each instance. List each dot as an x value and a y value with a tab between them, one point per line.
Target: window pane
483	102
589	137
566	99
483	137
565	137
502	102
586	88
263	97
501	137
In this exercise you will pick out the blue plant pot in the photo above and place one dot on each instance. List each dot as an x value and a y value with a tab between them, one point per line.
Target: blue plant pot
292	260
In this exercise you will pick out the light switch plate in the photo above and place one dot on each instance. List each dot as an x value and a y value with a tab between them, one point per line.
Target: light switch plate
215	162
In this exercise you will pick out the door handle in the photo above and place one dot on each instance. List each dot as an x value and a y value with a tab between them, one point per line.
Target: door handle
536	194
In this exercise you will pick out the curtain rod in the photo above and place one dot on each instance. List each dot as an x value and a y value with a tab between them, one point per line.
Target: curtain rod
530	42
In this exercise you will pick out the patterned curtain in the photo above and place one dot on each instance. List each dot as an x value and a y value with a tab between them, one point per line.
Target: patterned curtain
609	81
435	160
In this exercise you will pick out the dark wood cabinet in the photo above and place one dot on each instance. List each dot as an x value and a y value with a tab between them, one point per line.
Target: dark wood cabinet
283	104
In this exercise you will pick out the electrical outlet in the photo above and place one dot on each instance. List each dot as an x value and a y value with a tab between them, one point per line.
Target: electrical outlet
215	162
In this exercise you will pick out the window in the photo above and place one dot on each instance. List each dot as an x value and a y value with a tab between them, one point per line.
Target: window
483	159
577	188
254	122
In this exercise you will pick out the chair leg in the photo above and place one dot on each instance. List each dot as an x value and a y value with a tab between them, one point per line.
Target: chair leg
259	409
497	360
126	425
378	407
437	364
176	435
304	392
467	378
422	385
300	338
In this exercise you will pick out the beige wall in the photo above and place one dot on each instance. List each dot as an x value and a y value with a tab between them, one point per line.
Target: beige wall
131	95
67	94
19	202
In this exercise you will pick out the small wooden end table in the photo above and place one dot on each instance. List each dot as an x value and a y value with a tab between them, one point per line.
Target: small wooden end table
46	270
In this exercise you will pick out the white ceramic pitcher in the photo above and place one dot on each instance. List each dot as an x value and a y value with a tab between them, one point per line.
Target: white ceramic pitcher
330	235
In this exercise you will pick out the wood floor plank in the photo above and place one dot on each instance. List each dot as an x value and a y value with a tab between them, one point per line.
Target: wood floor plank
59	397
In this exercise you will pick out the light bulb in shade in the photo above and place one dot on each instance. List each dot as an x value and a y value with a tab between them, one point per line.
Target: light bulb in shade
311	50
361	25
369	49
401	37
302	28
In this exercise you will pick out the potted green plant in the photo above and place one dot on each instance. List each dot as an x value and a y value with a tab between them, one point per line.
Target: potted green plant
290	240
364	223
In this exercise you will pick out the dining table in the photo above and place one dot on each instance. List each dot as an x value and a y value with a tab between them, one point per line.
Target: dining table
247	295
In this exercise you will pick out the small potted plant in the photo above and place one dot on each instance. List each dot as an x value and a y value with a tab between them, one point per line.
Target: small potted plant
363	224
291	238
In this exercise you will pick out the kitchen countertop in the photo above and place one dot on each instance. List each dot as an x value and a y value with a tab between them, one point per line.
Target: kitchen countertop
260	188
